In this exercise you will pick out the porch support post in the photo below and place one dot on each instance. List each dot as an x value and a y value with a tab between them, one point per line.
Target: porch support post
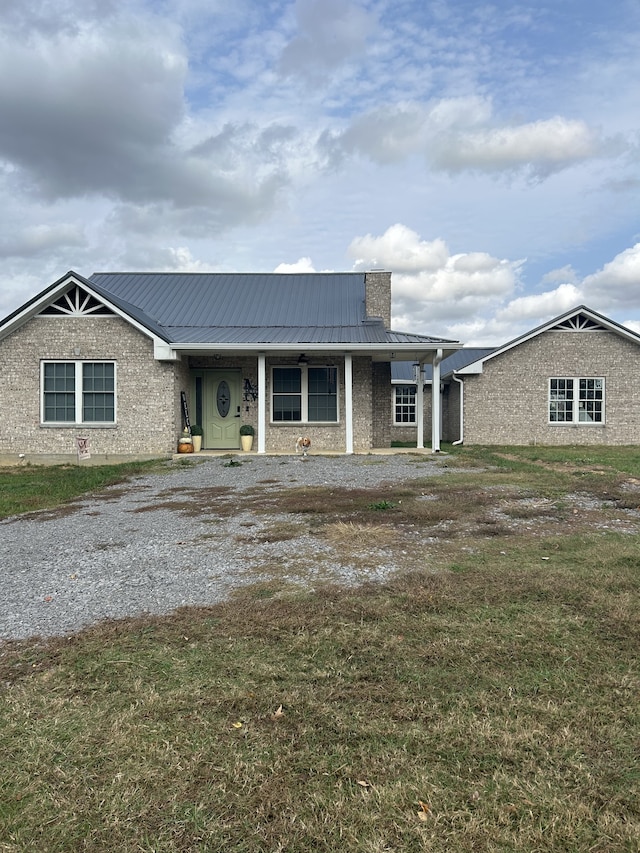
420	406
436	403
262	403
348	401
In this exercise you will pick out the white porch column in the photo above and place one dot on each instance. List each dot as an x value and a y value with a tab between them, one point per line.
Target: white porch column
419	405
435	403
262	403
348	401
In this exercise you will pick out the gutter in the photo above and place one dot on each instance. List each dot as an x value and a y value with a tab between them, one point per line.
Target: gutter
461	383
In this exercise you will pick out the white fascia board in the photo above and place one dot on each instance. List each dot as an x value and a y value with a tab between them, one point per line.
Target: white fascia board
475	367
397	349
162	351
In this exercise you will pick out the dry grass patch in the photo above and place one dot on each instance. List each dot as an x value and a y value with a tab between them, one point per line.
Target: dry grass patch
358	537
277	530
489	708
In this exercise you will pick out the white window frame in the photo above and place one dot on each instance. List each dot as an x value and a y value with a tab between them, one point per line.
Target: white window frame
404	387
304	393
79	393
577	401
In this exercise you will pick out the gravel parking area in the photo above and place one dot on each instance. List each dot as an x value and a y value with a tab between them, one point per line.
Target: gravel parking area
141	548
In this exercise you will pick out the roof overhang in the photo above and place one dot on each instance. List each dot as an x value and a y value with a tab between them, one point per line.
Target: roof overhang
379	352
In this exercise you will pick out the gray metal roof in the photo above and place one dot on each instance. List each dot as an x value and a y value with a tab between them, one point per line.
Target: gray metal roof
252	308
241	300
275	334
402	371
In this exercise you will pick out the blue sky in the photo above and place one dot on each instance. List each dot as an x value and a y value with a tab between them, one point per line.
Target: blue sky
487	154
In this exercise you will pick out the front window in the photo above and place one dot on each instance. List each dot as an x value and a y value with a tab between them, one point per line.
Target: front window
404	410
576	400
78	392
304	394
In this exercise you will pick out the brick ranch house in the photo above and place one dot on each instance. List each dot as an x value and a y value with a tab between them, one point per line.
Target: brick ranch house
112	357
573	380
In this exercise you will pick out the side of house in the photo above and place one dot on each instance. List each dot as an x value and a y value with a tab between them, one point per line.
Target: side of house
574	381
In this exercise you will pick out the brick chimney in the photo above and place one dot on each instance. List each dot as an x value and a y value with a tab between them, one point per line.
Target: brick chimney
377	287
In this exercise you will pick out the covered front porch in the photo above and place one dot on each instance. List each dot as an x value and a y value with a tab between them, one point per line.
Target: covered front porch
341	399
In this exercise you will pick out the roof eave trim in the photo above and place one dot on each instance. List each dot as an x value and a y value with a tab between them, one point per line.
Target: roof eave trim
316	347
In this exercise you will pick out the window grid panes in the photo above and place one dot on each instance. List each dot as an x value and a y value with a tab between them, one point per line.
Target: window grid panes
77	392
566	406
59	392
98	397
323	396
287	394
405	404
590	400
304	394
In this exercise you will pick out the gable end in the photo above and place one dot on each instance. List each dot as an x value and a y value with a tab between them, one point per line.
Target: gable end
76	302
578	323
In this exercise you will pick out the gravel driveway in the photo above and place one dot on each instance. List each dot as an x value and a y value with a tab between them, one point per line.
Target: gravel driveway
137	548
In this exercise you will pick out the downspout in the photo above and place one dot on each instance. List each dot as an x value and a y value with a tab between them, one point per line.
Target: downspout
436	402
461	383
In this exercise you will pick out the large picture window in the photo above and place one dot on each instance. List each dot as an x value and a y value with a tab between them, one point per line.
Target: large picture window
78	392
304	394
404	405
574	400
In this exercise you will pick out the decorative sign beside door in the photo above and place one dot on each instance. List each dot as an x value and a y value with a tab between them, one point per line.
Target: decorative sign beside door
249	392
185	411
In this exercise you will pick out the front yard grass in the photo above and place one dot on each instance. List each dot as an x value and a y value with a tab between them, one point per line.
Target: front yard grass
492	705
40	487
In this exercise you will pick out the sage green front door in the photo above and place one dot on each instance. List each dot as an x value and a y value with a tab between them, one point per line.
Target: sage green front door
221	402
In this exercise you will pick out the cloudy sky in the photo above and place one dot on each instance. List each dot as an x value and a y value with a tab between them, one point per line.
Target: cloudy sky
487	154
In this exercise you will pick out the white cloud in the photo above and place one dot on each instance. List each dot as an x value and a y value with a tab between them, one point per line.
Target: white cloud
329	33
431	286
617	284
462	134
564	275
539	307
542	147
301	265
39	239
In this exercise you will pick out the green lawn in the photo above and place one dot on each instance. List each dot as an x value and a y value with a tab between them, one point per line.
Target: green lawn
41	487
488	702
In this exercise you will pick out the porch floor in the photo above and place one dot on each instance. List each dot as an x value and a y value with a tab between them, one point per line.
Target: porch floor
381	451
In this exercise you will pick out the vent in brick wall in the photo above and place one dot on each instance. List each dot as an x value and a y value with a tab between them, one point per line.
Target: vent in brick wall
579	323
76	302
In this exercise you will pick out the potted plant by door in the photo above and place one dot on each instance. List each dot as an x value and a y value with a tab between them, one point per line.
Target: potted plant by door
246	437
196	434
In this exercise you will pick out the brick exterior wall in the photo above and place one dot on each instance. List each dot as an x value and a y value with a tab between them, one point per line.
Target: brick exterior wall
147	422
381	414
451	412
508	402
